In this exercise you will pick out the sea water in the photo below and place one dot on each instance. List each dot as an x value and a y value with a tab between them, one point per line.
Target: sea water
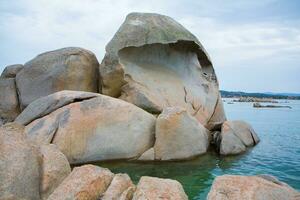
277	154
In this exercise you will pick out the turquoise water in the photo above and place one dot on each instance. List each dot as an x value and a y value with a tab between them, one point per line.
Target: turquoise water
277	154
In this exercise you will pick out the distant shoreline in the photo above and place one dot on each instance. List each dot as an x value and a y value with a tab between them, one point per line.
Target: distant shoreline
233	94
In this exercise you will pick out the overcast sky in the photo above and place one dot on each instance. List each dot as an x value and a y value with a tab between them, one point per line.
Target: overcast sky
254	45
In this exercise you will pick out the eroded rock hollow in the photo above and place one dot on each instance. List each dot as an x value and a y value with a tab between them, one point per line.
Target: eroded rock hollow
154	63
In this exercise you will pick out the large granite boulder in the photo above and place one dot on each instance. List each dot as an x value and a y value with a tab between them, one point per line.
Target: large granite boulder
87	182
178	135
158	188
230	187
19	165
63	69
235	137
45	105
9	104
154	62
95	129
55	168
11	71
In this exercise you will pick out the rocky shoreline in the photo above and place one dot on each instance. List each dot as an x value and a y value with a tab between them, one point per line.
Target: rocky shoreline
154	97
258	105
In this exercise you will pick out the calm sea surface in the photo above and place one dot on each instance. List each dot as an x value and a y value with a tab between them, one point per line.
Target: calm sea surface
277	154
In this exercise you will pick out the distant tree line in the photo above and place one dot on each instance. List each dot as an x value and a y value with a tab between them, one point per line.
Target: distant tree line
230	94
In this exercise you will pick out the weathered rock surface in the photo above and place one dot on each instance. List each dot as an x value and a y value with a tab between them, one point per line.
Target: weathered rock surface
55	168
45	105
19	165
235	137
218	117
128	193
100	128
63	69
87	182
157	188
178	135
9	104
11	71
119	184
147	155
229	187
154	62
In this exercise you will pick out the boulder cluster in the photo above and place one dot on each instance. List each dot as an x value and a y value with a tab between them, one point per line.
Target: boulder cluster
154	97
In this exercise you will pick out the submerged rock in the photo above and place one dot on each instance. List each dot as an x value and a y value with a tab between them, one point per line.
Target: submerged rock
87	182
234	137
55	168
11	71
9	104
63	69
100	128
19	165
179	136
230	187
154	62
158	188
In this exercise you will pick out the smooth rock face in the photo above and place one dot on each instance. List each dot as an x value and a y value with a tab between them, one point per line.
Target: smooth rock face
178	135
235	137
157	188
154	62
63	69
101	128
19	165
218	117
45	105
119	184
229	187
11	71
9	104
87	182
147	155
55	168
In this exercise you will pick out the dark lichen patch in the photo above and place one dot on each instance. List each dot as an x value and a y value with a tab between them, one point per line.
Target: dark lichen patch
37	127
91	104
63	117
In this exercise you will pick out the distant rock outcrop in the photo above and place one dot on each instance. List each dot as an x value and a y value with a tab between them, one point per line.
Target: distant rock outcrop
258	105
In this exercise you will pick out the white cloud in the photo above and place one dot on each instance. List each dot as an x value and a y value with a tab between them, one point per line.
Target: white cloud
30	27
230	44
